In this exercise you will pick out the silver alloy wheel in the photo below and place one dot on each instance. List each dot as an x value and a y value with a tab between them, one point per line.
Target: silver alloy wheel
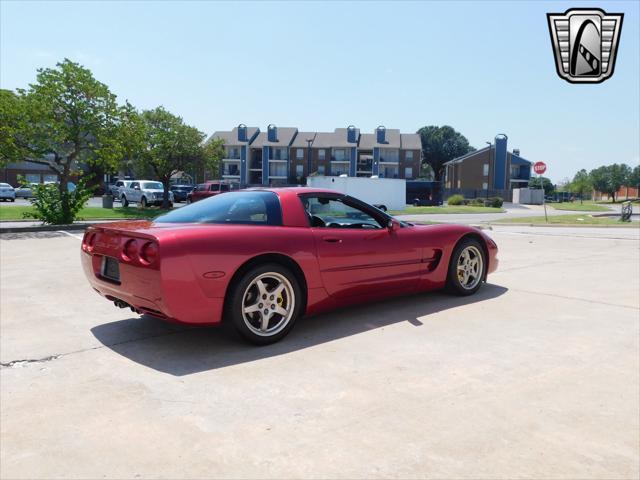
268	304
469	267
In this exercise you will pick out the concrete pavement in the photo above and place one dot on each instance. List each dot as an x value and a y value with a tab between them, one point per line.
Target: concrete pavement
537	376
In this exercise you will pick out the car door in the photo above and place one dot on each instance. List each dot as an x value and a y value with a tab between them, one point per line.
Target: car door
357	253
134	192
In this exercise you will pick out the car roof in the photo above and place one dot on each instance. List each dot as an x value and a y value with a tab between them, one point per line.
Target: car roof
296	190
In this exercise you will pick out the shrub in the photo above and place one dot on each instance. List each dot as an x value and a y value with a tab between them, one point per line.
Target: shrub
495	202
477	202
49	203
455	200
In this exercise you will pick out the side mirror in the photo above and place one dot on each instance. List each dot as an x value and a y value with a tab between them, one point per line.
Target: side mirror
392	225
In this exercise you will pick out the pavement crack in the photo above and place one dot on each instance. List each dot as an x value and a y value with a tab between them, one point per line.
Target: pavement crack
26	361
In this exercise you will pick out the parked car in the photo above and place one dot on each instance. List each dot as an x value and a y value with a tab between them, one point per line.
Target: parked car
180	192
26	191
7	192
144	193
260	259
115	188
208	189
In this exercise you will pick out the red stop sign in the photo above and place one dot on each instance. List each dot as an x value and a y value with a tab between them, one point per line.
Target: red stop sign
539	167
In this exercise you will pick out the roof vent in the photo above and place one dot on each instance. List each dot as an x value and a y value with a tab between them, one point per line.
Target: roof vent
242	132
516	152
381	134
352	134
272	133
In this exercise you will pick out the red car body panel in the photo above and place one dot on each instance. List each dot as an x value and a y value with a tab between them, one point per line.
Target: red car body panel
189	280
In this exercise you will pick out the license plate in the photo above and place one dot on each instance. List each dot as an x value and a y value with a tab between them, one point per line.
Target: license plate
111	269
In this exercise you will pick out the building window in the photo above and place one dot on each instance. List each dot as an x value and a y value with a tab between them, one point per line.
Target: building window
49	178
391	155
408	172
485	169
299	170
389	172
321	167
485	185
300	154
321	154
233	152
32	177
458	183
278	153
277	170
409	156
340	155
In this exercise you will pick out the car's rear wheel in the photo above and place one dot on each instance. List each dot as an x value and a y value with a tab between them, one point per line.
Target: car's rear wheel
265	303
188	200
467	267
125	202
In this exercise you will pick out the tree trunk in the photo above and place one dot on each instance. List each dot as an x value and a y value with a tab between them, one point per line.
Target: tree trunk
165	195
67	216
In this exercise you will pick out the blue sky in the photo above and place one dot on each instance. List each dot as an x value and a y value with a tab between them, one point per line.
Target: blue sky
482	67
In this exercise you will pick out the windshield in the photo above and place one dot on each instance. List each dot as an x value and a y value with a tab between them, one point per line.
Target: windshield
244	208
152	185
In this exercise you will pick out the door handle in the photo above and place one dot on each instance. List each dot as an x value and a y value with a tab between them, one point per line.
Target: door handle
332	239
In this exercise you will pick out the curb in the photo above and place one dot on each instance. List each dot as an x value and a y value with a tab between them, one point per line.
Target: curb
44	228
567	225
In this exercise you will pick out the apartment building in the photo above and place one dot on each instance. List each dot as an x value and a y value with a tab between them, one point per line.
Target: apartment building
492	168
287	156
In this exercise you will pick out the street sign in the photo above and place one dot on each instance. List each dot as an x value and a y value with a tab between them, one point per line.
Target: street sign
539	167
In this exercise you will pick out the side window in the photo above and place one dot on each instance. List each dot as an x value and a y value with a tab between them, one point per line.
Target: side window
214	187
135	184
201	188
327	212
224	187
118	184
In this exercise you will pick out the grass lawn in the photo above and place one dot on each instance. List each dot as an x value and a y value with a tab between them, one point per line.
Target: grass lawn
575	219
87	213
446	209
578	207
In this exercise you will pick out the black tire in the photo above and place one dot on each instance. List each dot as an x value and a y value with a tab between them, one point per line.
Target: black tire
455	284
143	202
12	199
188	200
125	202
170	206
235	304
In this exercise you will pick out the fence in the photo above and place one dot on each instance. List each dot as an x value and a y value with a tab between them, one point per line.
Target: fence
506	195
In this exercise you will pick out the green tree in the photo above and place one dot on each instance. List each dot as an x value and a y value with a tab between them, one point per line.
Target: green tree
66	118
581	184
634	177
12	125
609	178
171	146
441	144
549	188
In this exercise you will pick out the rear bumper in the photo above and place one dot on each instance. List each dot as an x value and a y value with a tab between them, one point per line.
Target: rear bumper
144	290
10	195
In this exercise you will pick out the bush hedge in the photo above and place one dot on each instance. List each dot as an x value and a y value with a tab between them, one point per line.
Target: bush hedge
455	200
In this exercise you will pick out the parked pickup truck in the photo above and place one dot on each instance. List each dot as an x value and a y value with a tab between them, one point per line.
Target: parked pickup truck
144	193
209	189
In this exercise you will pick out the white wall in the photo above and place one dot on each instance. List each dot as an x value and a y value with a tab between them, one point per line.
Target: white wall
390	192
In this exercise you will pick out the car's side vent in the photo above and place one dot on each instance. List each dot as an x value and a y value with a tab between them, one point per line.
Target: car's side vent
432	263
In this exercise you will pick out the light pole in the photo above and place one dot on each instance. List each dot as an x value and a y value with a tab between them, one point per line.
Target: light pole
488	170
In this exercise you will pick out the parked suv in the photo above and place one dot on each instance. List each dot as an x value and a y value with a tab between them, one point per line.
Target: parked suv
208	189
180	192
116	188
144	193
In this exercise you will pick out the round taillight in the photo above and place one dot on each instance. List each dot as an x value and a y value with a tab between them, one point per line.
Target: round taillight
129	251
89	241
149	252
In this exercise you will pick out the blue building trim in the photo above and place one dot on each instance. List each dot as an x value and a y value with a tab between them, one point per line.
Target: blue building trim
265	165
353	162
376	161
500	163
243	165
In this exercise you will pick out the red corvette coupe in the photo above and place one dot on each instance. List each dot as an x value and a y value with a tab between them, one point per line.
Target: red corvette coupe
262	258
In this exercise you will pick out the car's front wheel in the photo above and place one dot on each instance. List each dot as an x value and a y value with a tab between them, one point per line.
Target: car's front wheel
467	267
143	202
265	303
